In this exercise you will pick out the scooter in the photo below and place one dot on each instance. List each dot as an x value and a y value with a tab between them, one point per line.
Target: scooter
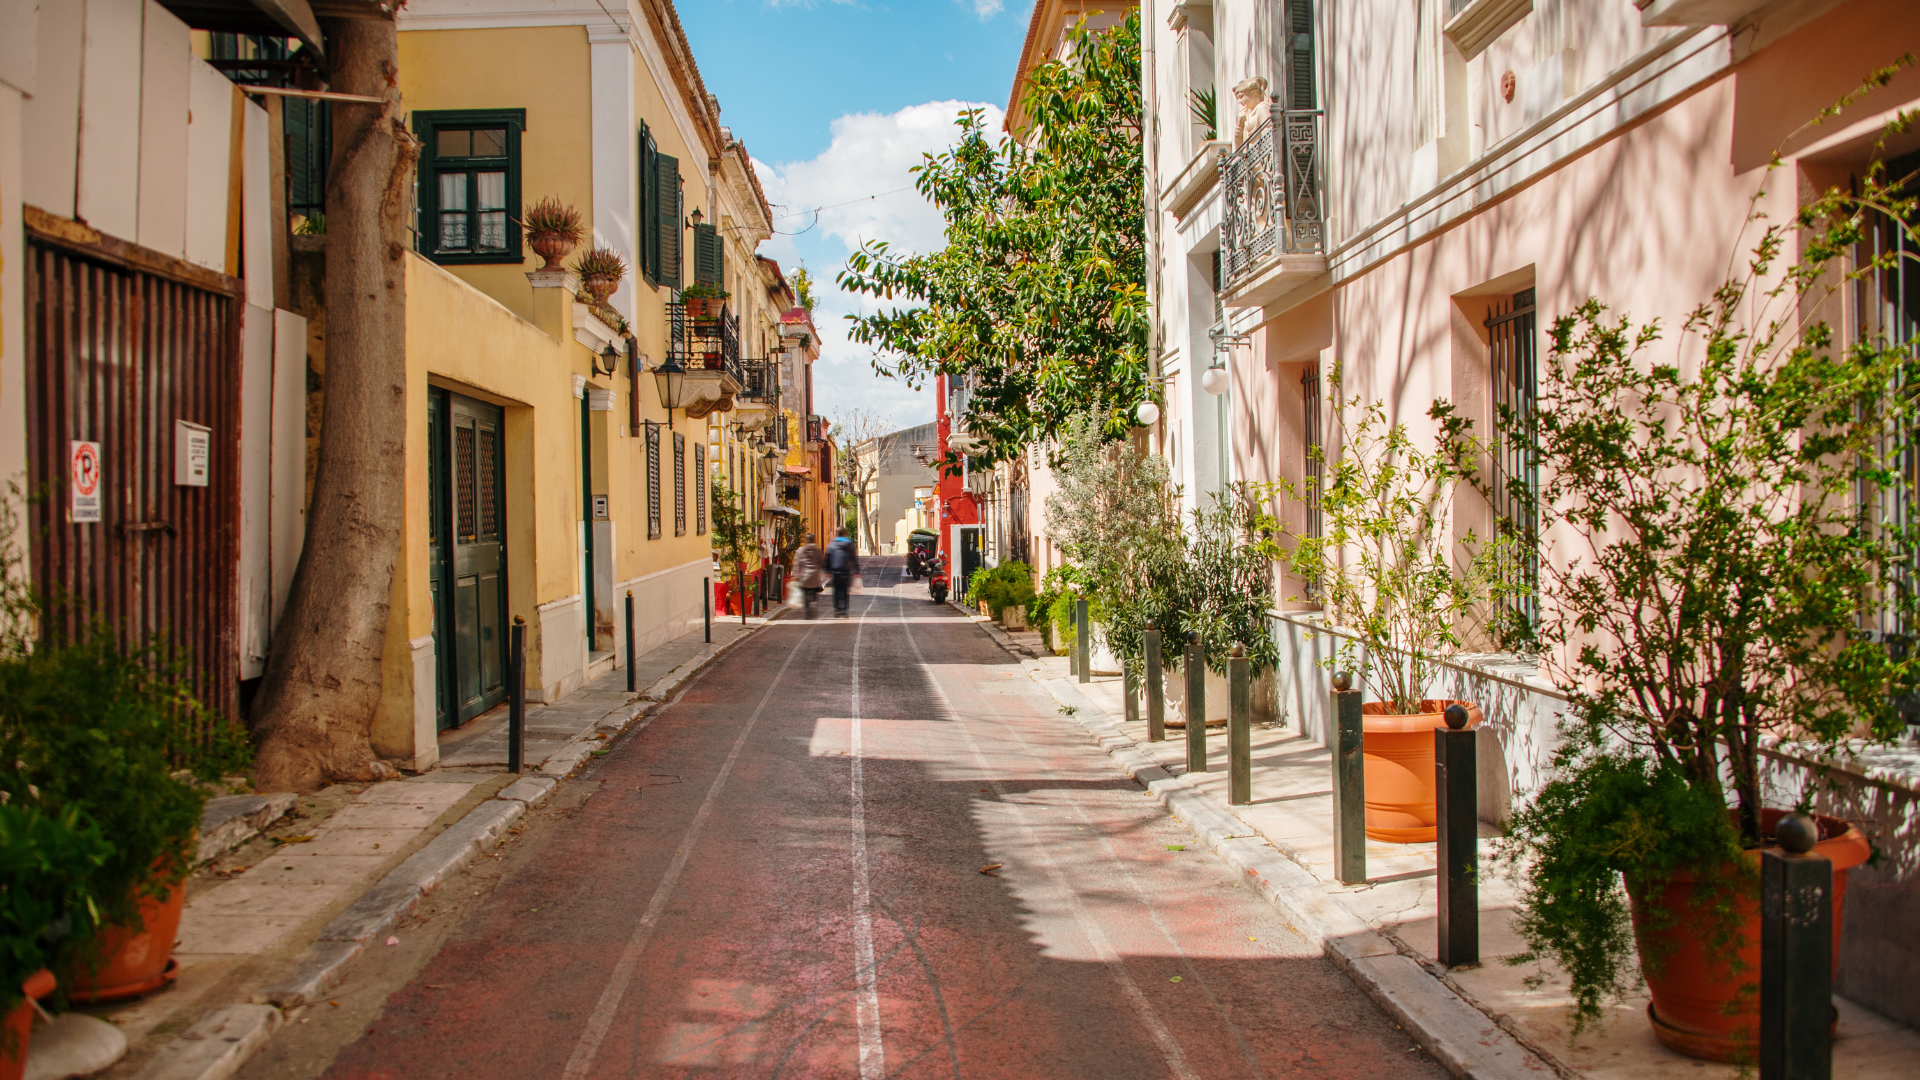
937	581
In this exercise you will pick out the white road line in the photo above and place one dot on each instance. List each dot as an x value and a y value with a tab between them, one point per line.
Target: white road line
588	1047
873	1062
1170	1051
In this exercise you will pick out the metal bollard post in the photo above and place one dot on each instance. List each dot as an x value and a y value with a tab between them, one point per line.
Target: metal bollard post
516	694
1073	650
1455	785
1130	690
1239	728
633	673
1156	689
1796	956
1349	784
1082	640
706	607
1196	674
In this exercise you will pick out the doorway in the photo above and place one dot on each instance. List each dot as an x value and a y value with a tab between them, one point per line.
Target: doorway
972	556
466	461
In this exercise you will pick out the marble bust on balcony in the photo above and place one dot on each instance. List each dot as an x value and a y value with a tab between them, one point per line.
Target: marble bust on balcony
1252	96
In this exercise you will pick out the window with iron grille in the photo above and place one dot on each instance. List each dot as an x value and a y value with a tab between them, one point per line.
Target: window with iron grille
1887	311
1310	427
679	484
653	480
469	184
700	489
1516	468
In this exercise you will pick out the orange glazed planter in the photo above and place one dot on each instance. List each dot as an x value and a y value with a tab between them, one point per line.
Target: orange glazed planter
1700	1007
133	962
13	1051
1399	768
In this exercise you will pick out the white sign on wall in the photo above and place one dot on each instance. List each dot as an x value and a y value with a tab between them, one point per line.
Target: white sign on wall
83	481
192	453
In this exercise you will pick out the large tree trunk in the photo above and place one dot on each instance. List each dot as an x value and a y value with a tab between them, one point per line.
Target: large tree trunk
322	686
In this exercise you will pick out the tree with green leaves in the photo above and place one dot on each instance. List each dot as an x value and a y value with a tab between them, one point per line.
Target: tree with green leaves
1039	296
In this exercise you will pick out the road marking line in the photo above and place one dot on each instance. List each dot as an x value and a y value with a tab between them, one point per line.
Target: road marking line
588	1047
1176	1059
866	974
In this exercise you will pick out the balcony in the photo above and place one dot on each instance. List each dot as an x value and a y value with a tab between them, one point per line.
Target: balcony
1273	239
709	349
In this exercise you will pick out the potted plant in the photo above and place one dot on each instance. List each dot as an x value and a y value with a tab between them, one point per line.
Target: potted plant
600	270
1398	592
553	230
1729	548
1222	593
47	864
1003	589
704	301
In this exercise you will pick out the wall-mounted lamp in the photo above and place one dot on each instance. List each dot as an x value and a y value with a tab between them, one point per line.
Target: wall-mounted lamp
1148	414
670	379
695	217
607	361
1215	380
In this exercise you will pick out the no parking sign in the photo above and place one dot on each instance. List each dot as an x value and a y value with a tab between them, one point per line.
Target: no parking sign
84	480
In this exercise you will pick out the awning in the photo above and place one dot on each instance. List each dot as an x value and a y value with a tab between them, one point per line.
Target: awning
797	470
776	509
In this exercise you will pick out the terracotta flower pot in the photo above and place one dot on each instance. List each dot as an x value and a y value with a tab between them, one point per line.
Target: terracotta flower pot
552	247
599	286
19	1025
705	307
1700	1007
1399	768
132	962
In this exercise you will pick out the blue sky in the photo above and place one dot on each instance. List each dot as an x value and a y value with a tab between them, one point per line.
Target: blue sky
836	101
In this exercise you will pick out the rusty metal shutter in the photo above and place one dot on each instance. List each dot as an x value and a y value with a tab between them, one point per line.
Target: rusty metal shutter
122	343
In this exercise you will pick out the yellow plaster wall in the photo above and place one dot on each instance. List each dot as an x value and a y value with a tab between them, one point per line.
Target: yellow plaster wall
543	70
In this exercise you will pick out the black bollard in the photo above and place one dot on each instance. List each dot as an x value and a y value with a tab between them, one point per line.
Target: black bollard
633	673
1239	728
1796	956
1349	784
516	693
1082	640
1455	785
1073	648
706	607
1196	674
1156	689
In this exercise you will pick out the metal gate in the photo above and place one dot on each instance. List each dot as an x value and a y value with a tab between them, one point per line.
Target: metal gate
125	346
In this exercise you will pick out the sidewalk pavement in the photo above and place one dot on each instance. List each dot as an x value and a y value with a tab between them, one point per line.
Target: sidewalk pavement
274	923
1479	1020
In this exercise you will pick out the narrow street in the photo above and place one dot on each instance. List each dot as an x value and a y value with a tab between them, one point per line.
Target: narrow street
786	873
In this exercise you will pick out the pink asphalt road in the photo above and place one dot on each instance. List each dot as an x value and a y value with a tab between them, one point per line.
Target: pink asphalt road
782	876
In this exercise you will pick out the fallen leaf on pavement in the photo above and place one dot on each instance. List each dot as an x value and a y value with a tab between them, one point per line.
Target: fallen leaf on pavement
989	870
393	941
1176	978
1176	847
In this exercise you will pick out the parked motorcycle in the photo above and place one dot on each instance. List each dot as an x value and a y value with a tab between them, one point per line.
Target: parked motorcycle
937	581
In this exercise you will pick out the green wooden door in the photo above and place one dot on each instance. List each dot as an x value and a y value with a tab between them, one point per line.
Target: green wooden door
472	570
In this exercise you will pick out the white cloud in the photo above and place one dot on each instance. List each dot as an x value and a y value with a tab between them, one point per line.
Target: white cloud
986	9
857	183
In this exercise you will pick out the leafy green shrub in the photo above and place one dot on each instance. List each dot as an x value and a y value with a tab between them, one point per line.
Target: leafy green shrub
1226	585
47	866
1008	585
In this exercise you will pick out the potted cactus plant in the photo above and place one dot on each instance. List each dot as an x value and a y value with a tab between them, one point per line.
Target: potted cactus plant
553	230
601	271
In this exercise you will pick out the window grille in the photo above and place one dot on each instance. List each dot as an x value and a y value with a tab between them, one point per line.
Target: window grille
1315	468
1516	467
1887	310
679	484
653	480
700	489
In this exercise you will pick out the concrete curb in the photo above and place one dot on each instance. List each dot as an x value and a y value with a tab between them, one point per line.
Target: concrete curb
217	1046
1466	1041
232	820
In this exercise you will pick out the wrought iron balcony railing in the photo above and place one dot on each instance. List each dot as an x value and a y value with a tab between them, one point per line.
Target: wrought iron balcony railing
1273	195
759	381
705	343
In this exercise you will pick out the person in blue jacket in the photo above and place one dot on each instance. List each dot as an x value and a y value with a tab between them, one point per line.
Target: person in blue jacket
843	565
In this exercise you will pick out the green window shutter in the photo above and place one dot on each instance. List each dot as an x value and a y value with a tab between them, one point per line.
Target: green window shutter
1299	50
709	259
649	239
667	220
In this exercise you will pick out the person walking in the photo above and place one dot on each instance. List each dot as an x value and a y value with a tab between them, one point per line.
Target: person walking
844	564
809	573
